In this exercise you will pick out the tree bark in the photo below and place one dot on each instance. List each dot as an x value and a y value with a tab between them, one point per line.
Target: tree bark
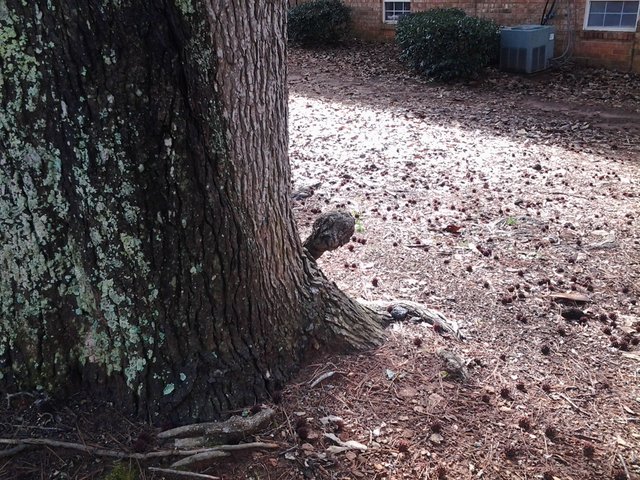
148	248
330	230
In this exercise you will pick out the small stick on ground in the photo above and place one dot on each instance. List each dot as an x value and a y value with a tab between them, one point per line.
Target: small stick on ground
102	452
10	452
183	474
624	465
234	428
573	404
322	377
11	396
199	459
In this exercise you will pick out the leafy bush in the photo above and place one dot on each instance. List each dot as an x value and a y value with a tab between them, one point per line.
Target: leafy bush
446	44
319	22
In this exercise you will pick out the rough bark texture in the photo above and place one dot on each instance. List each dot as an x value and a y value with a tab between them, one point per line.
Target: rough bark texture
147	245
330	230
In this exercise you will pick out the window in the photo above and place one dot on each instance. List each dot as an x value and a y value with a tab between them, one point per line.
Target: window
611	15
393	11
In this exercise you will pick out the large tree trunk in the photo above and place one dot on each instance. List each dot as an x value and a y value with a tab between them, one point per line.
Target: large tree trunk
147	244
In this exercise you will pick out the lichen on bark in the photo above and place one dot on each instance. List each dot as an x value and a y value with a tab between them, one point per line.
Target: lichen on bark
42	254
146	231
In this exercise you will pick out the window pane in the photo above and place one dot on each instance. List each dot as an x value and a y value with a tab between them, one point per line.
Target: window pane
596	20
393	11
614	7
613	14
612	20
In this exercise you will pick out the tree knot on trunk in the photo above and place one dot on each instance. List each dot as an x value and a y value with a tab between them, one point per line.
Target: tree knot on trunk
330	231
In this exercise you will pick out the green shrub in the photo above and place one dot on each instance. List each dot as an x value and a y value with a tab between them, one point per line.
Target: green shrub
445	44
319	22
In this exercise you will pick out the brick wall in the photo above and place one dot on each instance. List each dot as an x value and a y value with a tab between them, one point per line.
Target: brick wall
616	50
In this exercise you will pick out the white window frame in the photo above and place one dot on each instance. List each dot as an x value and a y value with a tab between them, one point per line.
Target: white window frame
608	29
384	10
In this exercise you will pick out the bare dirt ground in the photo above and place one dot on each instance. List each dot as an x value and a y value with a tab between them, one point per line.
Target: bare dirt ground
482	201
539	176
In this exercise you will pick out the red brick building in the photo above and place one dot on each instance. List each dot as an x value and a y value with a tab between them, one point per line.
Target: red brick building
596	32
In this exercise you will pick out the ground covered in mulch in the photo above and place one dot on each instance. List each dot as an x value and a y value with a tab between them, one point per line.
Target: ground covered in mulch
509	205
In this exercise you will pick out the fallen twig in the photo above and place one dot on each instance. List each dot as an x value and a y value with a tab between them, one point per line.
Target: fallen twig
234	428
199	458
220	451
563	396
180	473
245	446
98	451
11	396
103	452
10	452
568	194
322	377
624	465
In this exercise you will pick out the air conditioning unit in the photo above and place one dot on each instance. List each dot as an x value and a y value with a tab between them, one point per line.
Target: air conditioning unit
526	48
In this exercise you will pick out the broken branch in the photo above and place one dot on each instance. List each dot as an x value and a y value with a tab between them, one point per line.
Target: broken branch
234	428
103	452
180	473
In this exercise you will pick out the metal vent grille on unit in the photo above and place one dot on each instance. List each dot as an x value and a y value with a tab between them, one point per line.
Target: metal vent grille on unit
526	48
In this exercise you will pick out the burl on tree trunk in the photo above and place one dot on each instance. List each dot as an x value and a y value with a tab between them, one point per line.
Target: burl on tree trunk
148	250
330	230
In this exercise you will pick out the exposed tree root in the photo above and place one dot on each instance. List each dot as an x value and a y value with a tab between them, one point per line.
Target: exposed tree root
184	443
233	429
331	230
103	452
405	310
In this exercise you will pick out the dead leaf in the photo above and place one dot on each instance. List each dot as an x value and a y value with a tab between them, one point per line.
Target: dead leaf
355	445
349	445
337	449
435	399
407	392
570	296
330	419
455	229
406	433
